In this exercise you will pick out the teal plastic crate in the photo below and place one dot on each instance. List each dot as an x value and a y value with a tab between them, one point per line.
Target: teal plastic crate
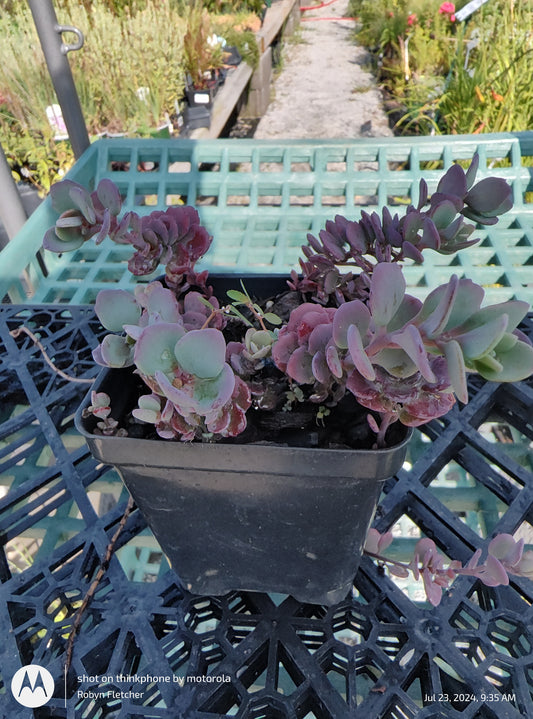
259	199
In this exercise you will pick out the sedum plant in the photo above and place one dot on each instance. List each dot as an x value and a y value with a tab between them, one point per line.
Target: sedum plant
345	328
344	339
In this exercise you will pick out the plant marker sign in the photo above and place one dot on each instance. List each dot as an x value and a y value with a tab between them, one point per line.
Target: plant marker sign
468	9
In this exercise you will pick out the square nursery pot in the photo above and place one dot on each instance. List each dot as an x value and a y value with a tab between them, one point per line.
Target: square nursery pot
255	517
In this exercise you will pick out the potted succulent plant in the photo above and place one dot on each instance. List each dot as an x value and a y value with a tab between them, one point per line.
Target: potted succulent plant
255	419
203	61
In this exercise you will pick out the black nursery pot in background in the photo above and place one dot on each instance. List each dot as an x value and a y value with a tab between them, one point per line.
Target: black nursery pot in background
249	517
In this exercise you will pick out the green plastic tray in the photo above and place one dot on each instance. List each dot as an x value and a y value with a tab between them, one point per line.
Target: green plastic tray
259	199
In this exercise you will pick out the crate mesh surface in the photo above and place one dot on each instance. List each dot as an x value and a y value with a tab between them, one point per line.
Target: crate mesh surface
383	653
259	199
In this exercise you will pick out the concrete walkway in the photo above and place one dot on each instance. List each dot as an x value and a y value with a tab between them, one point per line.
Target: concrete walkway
324	89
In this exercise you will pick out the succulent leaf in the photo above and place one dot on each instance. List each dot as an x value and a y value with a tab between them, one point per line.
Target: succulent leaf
456	370
358	354
201	353
116	308
154	350
387	290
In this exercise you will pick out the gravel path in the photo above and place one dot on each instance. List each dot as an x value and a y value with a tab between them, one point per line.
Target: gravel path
324	89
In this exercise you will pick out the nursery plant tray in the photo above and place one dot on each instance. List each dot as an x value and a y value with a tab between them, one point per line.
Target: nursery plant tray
259	199
382	652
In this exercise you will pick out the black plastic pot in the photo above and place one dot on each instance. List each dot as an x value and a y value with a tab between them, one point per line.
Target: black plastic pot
248	516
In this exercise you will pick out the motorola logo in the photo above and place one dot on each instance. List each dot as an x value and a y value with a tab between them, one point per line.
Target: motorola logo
32	686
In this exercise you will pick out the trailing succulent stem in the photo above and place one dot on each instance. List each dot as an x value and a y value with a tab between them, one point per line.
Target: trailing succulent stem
346	325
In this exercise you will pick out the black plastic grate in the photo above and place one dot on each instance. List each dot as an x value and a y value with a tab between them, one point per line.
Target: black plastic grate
383	653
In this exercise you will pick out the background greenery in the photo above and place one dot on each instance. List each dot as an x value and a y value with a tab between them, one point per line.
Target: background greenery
129	75
442	76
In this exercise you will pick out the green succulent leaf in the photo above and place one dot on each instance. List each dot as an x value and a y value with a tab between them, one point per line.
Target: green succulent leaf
396	362
511	366
201	352
115	351
154	350
456	369
116	308
483	339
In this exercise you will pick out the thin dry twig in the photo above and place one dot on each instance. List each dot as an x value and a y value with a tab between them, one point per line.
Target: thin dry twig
24	330
95	583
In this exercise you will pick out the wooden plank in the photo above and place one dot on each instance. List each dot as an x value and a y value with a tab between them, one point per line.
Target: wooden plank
228	96
273	21
225	100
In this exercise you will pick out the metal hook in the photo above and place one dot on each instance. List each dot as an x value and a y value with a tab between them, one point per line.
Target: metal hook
60	29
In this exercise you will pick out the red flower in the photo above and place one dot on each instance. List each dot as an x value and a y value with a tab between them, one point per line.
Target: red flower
412	19
448	8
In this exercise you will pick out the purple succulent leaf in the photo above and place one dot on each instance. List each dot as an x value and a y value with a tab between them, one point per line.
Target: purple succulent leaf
479	218
313	243
467	300
201	353
410	340
355	237
115	308
430	234
159	302
82	201
506	548
472	171
56	244
354	312
299	366
443	214
319	367
69	220
61	198
459	242
474	559
412	253
456	370
407	311
104	229
109	195
331	245
154	350
490	197
358	354
437	318
283	348
319	338
334	362
114	351
453	182
411	226
387	290
330	281
432	589
494	573
447	234
422	194
437	198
